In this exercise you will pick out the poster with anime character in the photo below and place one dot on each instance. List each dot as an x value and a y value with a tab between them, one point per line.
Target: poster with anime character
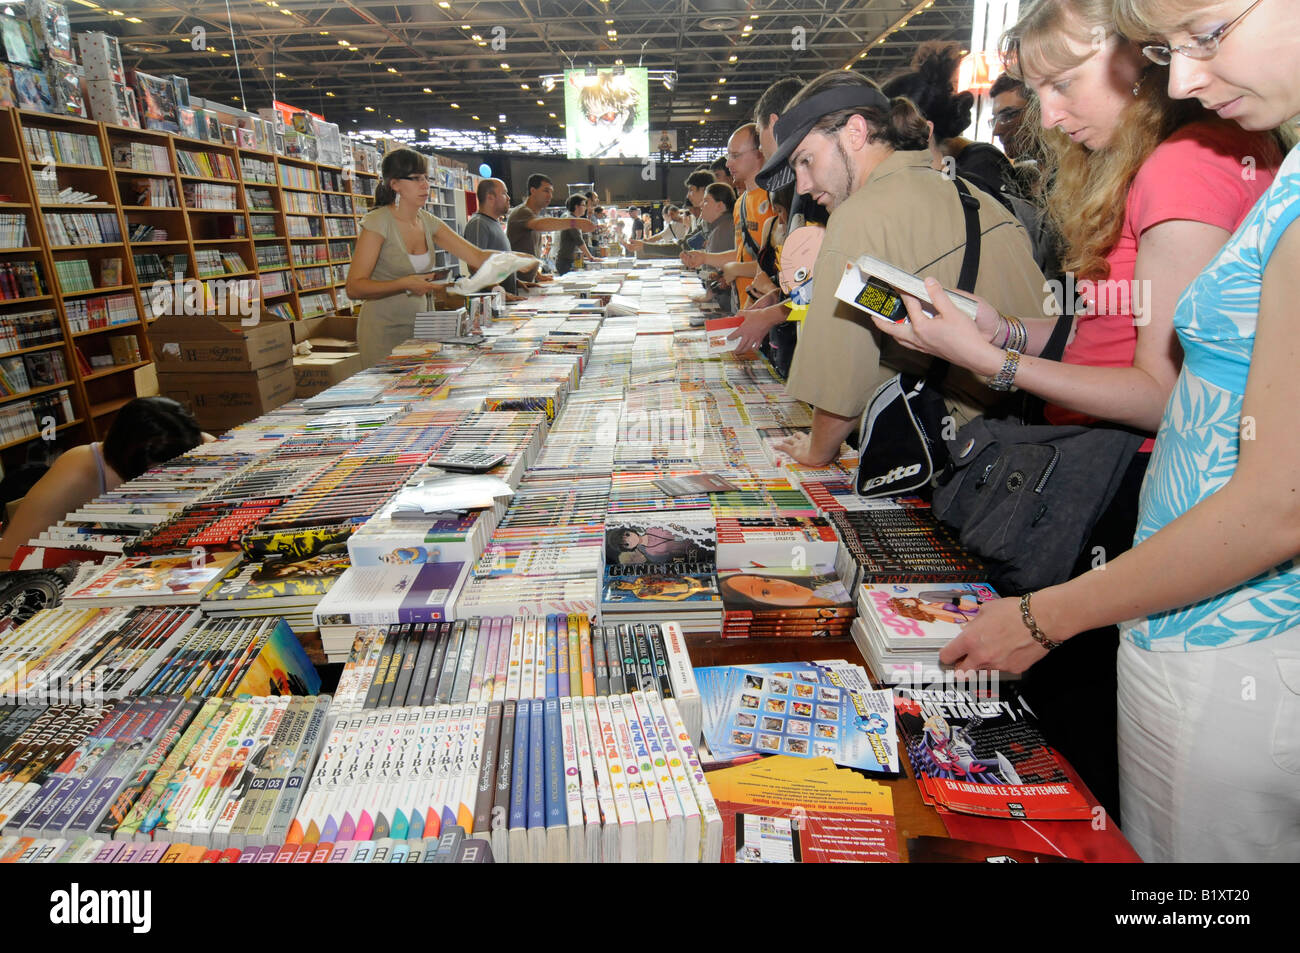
607	113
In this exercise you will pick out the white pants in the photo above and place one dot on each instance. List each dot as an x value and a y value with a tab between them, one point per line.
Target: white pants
1209	751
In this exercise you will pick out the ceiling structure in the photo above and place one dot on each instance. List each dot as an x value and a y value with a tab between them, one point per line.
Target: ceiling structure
441	63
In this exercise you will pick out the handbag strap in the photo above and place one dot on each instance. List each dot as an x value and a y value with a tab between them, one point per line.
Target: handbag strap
970	266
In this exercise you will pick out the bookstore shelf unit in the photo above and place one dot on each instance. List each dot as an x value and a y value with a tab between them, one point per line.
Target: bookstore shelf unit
166	208
43	395
94	272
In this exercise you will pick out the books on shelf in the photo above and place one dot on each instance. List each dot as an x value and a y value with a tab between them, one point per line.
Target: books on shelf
82	228
142	157
22	279
209	195
13	230
212	165
74	275
154	192
270	256
29	329
54	145
101	311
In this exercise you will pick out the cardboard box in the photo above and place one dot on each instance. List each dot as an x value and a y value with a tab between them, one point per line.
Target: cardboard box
190	343
331	333
312	373
220	401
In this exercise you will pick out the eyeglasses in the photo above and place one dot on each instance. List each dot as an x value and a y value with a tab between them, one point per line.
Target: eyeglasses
420	179
1005	115
1202	47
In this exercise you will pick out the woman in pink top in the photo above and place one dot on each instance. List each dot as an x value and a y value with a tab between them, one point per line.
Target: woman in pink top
1145	191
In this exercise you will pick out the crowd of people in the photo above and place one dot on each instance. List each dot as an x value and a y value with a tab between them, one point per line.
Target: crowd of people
1147	160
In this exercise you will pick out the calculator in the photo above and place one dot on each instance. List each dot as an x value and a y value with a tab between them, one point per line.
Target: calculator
468	461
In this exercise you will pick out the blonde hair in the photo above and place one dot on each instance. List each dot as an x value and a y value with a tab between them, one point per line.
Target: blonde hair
1086	199
1153	19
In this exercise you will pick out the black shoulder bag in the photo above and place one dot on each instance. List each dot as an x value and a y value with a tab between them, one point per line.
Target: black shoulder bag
1025	497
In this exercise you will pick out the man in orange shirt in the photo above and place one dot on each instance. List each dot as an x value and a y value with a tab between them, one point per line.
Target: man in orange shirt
751	212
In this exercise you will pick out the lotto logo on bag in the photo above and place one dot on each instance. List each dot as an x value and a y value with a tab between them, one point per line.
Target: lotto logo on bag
893	476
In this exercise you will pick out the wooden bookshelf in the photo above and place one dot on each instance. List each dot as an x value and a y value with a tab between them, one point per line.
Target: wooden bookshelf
101	179
140	180
16	181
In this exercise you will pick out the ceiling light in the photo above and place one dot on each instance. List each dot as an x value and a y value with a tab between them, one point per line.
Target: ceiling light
505	66
444	4
731	100
482	42
392	69
370	109
722	79
493	128
116	13
701	122
329	93
523	86
343	42
427	89
475	36
475	118
455	105
609	23
464	26
552	115
281	76
561	125
611	32
713	97
618	62
753	16
353	49
324	32
287	13
501	116
88	3
540	103
134	20
226	55
731	58
707	109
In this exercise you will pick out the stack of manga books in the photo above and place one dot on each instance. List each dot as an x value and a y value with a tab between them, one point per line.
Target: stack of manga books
558	741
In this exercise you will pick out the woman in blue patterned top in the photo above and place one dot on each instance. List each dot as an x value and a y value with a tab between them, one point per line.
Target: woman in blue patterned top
1209	598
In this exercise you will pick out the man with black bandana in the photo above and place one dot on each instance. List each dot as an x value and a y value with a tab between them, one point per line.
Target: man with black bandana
866	159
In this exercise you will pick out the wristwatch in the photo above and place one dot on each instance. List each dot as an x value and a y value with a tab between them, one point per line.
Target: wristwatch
1005	376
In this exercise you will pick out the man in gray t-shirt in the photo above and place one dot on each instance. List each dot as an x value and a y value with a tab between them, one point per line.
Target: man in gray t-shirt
484	226
524	225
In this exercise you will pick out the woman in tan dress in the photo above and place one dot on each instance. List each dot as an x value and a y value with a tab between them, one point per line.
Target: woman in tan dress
392	267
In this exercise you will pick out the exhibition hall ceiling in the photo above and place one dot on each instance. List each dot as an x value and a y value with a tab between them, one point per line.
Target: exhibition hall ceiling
410	62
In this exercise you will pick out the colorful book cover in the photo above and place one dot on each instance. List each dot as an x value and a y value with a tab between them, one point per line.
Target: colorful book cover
162	580
273	582
374	596
803	709
985	756
280	668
